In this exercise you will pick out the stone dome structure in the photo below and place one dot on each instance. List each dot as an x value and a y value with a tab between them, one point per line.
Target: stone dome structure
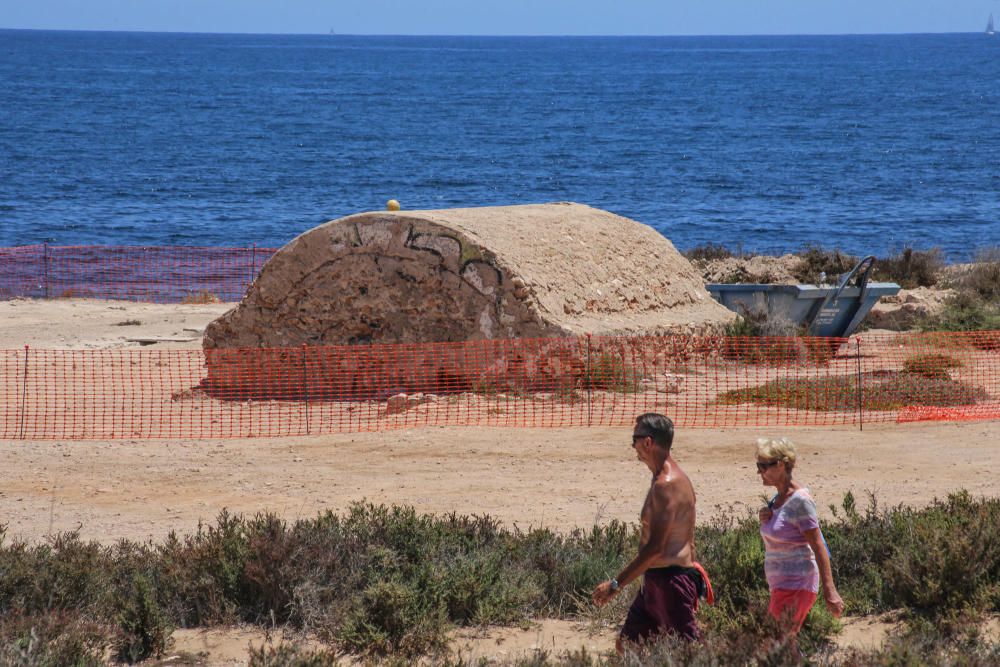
545	270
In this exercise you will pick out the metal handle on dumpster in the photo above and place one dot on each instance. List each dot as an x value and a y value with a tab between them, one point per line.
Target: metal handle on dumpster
868	263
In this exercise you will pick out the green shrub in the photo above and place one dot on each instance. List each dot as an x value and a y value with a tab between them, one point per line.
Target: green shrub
143	627
395	617
816	260
983	278
910	268
62	574
390	582
52	639
947	557
290	655
711	252
965	311
860	543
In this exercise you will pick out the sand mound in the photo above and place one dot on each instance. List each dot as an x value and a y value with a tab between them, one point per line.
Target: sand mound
755	269
469	274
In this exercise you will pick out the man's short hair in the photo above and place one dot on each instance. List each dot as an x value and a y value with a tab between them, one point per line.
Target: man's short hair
657	426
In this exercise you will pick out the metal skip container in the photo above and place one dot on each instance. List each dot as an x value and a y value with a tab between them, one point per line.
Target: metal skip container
833	311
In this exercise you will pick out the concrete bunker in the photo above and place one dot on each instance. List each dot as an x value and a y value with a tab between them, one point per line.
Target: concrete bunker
447	276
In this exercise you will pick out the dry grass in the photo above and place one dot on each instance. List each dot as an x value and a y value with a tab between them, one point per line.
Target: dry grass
204	296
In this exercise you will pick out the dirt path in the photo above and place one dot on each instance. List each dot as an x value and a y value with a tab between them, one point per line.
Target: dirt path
538	477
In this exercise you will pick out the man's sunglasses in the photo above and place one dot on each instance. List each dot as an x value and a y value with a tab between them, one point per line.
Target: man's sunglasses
764	465
639	436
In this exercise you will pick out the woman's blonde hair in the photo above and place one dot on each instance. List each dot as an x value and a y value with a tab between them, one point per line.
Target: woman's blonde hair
777	449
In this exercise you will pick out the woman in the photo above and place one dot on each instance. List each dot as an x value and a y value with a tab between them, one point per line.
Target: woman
796	558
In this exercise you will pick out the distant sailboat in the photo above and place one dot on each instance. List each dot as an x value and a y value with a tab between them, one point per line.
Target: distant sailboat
989	26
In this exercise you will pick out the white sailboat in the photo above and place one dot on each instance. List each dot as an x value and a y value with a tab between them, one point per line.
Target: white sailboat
989	26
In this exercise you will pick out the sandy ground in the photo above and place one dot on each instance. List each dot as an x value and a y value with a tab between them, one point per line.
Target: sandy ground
558	478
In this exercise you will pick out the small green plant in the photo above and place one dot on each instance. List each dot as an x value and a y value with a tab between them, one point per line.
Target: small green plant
748	324
611	372
290	655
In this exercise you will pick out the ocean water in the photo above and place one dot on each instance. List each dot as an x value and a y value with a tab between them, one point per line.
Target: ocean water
868	143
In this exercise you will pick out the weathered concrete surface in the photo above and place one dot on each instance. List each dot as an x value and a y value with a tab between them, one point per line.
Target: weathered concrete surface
469	274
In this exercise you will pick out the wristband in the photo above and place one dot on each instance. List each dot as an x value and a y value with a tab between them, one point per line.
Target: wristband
614	585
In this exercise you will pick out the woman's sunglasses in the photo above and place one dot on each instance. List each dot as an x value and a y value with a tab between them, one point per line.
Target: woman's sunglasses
764	465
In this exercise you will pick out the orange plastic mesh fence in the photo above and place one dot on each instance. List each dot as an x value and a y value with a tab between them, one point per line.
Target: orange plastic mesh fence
133	273
587	381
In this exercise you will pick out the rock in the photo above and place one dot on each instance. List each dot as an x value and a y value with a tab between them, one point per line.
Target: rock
403	402
396	404
908	308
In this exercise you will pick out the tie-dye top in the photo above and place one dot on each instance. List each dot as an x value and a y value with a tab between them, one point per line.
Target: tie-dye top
789	562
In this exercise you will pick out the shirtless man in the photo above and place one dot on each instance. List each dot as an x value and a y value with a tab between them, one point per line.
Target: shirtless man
669	595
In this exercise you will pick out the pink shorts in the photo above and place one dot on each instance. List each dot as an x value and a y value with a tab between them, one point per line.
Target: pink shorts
791	607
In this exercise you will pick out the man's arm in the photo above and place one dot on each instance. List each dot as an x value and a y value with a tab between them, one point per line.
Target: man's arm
659	522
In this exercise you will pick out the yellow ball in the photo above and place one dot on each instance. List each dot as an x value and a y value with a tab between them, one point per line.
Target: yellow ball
392	205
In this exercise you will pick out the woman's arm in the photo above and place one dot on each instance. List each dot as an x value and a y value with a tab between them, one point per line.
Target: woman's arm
830	594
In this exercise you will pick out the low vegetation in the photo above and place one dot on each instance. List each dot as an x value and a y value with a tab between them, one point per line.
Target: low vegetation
983	277
755	338
883	390
931	365
565	375
910	268
710	252
386	581
966	311
817	262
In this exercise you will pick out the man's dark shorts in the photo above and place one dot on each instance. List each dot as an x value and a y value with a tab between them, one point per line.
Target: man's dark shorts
666	602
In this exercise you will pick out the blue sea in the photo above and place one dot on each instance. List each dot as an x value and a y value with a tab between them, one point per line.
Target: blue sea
868	143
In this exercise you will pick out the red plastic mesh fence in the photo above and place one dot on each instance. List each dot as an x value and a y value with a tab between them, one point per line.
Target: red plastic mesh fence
132	273
698	381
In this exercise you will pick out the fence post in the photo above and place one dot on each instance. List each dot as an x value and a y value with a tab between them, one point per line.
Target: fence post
253	267
590	384
45	268
305	385
861	398
24	395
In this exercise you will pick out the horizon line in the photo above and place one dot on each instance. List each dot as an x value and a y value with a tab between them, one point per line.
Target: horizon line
486	35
